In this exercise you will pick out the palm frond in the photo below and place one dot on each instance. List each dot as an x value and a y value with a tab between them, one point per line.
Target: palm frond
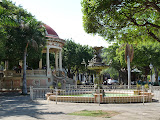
120	48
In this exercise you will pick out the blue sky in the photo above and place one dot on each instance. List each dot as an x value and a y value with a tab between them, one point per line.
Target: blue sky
65	17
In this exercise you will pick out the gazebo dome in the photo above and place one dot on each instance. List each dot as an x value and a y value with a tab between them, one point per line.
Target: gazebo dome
50	32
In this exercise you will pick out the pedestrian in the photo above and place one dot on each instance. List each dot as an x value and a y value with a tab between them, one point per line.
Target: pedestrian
19	69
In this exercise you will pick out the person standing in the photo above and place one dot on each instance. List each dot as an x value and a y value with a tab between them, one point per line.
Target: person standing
19	69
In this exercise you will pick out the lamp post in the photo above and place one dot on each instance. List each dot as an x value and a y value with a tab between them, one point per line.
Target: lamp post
84	63
151	67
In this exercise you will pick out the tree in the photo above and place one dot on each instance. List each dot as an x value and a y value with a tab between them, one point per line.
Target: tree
129	51
6	19
121	19
7	10
116	62
33	33
27	32
73	55
2	47
110	57
146	53
112	72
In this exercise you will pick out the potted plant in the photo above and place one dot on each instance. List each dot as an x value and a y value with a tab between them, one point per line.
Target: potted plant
51	88
59	85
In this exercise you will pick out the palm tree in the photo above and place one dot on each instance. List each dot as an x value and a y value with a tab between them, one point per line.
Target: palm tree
129	53
34	44
33	33
22	29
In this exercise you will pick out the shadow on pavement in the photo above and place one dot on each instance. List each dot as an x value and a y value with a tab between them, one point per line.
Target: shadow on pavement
14	104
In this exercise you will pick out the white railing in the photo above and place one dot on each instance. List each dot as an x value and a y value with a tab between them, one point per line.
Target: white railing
90	94
156	92
38	93
100	96
69	87
28	73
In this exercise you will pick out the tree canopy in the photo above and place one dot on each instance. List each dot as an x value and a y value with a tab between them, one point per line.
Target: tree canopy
73	55
144	54
6	19
18	28
122	20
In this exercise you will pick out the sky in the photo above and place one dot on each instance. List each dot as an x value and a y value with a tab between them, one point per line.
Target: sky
65	17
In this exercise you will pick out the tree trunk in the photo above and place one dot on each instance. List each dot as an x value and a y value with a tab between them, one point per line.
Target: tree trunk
69	73
119	77
24	87
156	75
129	72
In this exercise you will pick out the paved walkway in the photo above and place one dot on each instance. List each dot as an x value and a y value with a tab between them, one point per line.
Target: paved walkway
18	107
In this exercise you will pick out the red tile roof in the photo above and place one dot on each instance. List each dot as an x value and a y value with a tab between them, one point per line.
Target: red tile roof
50	31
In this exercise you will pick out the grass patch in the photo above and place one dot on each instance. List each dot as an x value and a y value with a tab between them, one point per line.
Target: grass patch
95	113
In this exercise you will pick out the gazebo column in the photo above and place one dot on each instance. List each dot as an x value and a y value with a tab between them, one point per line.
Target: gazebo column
48	63
75	79
56	60
89	78
93	78
80	76
84	78
6	64
60	60
40	64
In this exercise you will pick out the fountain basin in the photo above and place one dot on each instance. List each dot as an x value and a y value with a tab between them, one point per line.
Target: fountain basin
99	98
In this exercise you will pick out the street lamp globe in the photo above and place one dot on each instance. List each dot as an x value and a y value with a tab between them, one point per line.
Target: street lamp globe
151	66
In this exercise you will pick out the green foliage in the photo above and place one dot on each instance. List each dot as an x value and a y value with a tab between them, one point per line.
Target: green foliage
6	19
112	72
122	20
7	13
51	87
2	47
146	86
73	55
26	29
22	30
144	54
147	53
33	57
59	85
110	57
138	86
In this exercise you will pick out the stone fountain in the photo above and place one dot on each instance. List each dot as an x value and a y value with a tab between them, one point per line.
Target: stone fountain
97	65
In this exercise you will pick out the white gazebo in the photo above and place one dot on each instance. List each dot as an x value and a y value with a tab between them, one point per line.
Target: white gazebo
40	77
54	45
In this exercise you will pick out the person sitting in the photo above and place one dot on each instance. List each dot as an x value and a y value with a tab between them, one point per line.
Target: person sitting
19	69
